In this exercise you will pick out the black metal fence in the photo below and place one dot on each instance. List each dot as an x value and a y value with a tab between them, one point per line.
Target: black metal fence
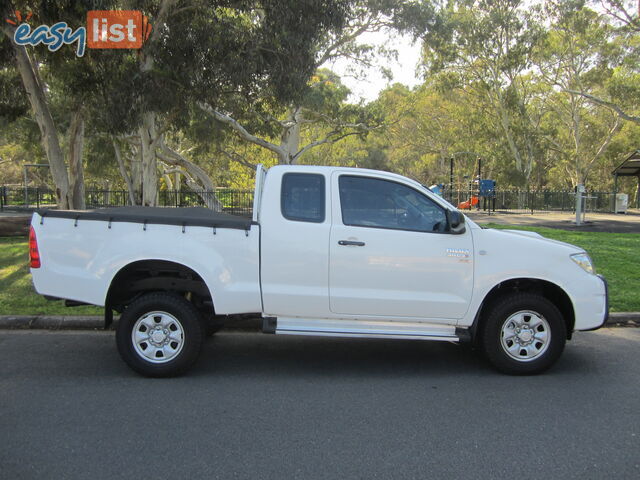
522	201
235	202
240	202
20	197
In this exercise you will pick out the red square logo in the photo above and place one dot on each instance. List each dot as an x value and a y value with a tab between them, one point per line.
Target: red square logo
116	29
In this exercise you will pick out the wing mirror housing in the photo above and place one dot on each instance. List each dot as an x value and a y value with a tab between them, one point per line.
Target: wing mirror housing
456	222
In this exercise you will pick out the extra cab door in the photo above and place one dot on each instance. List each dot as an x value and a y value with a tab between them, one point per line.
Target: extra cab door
294	231
391	252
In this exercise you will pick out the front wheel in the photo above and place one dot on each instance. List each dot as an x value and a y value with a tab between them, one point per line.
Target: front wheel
523	334
159	335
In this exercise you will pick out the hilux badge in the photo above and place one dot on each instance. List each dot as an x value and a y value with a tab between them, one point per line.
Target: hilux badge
458	252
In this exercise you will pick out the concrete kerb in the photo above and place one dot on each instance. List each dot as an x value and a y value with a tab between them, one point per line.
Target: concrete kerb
26	322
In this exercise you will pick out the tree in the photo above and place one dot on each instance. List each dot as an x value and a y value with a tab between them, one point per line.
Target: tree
41	72
224	54
324	106
622	94
317	110
571	58
197	49
486	47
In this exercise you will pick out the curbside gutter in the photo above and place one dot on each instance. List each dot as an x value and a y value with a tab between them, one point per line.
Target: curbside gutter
31	322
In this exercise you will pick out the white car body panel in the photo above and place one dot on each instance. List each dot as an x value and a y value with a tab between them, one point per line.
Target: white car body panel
295	270
79	263
294	255
502	255
398	272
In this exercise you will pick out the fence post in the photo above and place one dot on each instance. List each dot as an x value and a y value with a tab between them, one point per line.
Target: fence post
531	196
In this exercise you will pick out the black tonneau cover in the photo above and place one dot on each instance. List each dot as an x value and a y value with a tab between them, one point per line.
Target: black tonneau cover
185	217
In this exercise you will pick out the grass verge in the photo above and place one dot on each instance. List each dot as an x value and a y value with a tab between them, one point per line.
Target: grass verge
615	256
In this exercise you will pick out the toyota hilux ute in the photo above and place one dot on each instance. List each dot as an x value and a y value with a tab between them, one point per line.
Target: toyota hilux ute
329	251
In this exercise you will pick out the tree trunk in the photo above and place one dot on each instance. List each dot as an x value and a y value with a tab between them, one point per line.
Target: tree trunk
290	138
125	175
76	171
168	181
136	175
148	139
205	184
148	135
48	131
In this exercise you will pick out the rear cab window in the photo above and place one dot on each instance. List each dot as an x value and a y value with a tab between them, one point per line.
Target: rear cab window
302	197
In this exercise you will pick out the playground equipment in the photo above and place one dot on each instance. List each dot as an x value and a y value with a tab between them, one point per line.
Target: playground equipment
438	189
472	202
478	187
488	194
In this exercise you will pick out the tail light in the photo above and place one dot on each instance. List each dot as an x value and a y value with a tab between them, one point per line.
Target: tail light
34	255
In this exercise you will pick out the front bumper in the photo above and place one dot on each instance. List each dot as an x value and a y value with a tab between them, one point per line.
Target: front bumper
606	305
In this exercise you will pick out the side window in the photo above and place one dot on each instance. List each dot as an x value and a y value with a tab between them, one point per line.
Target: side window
302	197
372	202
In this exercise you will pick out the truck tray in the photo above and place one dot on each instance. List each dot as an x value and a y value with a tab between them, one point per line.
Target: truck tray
188	216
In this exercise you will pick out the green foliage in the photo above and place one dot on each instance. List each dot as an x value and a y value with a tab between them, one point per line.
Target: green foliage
12	103
496	79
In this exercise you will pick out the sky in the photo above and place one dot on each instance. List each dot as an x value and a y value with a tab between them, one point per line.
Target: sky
404	69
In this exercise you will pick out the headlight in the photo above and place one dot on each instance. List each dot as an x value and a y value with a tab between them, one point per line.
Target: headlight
583	260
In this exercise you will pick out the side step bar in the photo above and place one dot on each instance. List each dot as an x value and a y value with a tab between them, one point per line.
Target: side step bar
361	328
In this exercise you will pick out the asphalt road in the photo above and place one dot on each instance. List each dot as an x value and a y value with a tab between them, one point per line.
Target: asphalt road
259	406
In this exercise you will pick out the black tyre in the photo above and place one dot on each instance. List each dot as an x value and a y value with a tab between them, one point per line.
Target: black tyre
160	335
523	334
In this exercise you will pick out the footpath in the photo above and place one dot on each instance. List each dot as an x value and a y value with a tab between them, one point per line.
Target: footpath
595	222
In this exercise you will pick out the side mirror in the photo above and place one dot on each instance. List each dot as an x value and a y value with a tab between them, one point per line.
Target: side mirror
456	222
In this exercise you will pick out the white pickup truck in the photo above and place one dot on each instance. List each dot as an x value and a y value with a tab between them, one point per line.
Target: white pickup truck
338	252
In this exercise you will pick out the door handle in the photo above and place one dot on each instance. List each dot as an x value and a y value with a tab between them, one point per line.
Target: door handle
349	242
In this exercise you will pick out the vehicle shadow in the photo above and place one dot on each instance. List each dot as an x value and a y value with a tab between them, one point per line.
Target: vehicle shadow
283	356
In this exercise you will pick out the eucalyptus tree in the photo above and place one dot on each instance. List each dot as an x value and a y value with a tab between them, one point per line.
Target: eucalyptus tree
39	71
622	92
280	127
226	54
196	49
575	56
486	47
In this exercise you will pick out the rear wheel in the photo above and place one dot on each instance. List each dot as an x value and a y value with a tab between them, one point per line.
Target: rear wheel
160	335
523	334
